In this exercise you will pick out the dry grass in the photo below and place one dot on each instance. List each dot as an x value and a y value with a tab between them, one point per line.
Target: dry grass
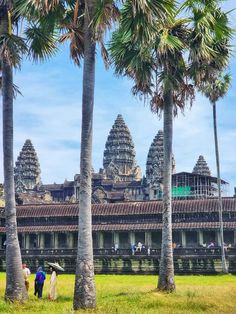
136	295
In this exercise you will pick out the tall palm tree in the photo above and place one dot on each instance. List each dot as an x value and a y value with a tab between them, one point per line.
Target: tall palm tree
15	288
162	61
83	23
85	292
12	48
214	90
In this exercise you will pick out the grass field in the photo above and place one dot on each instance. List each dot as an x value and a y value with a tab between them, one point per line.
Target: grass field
136	295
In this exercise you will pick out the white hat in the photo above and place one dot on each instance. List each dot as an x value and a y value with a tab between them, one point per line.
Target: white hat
56	266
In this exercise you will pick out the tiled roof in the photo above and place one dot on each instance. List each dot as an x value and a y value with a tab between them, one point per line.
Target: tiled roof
125	227
126	208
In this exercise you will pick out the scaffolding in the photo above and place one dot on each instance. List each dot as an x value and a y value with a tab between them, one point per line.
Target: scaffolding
187	185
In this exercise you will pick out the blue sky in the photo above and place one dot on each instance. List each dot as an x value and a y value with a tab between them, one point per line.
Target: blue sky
49	113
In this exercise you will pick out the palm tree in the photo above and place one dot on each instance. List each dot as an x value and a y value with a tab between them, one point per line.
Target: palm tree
15	288
161	61
83	23
214	90
85	292
12	48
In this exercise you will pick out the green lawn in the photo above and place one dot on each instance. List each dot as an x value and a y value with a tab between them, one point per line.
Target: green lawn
136	294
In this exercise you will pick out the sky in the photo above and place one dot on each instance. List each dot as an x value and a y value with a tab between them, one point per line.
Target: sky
49	113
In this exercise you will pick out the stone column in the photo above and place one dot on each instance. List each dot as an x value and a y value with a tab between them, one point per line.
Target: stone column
183	238
148	239
217	237
70	240
100	240
41	240
23	241
116	238
27	236
132	237
55	240
37	240
200	237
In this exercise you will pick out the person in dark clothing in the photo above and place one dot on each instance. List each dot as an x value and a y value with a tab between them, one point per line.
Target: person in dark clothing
39	282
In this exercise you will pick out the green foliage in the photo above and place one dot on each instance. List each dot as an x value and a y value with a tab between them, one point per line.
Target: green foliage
217	88
12	49
41	41
160	50
135	294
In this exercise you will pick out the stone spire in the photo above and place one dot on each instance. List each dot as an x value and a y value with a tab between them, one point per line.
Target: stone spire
119	154
27	170
201	167
155	160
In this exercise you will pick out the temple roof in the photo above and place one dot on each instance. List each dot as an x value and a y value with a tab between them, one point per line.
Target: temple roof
43	216
27	170
155	159
201	167
126	227
126	208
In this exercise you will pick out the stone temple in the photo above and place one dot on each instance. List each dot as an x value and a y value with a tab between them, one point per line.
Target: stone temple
126	210
27	169
120	179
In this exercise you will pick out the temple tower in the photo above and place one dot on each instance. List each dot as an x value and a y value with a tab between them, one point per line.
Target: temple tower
119	154
27	170
155	166
201	167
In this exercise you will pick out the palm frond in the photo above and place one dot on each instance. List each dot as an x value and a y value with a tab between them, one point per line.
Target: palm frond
41	42
12	49
106	14
76	38
217	88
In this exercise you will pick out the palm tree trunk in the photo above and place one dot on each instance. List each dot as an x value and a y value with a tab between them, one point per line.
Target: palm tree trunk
166	271
15	287
85	292
220	204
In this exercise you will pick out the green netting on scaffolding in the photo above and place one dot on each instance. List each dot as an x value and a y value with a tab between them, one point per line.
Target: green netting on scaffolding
178	191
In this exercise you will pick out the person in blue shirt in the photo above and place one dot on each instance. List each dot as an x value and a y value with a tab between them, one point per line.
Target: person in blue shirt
39	282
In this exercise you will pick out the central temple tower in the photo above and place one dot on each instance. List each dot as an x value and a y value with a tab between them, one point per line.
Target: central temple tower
119	154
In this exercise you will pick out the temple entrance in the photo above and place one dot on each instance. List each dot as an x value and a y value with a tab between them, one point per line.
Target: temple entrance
156	240
75	239
209	237
191	238
108	240
33	241
176	237
62	243
124	242
48	240
139	237
229	237
95	240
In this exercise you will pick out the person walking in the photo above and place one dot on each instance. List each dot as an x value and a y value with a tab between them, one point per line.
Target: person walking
52	295
39	282
26	273
54	268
